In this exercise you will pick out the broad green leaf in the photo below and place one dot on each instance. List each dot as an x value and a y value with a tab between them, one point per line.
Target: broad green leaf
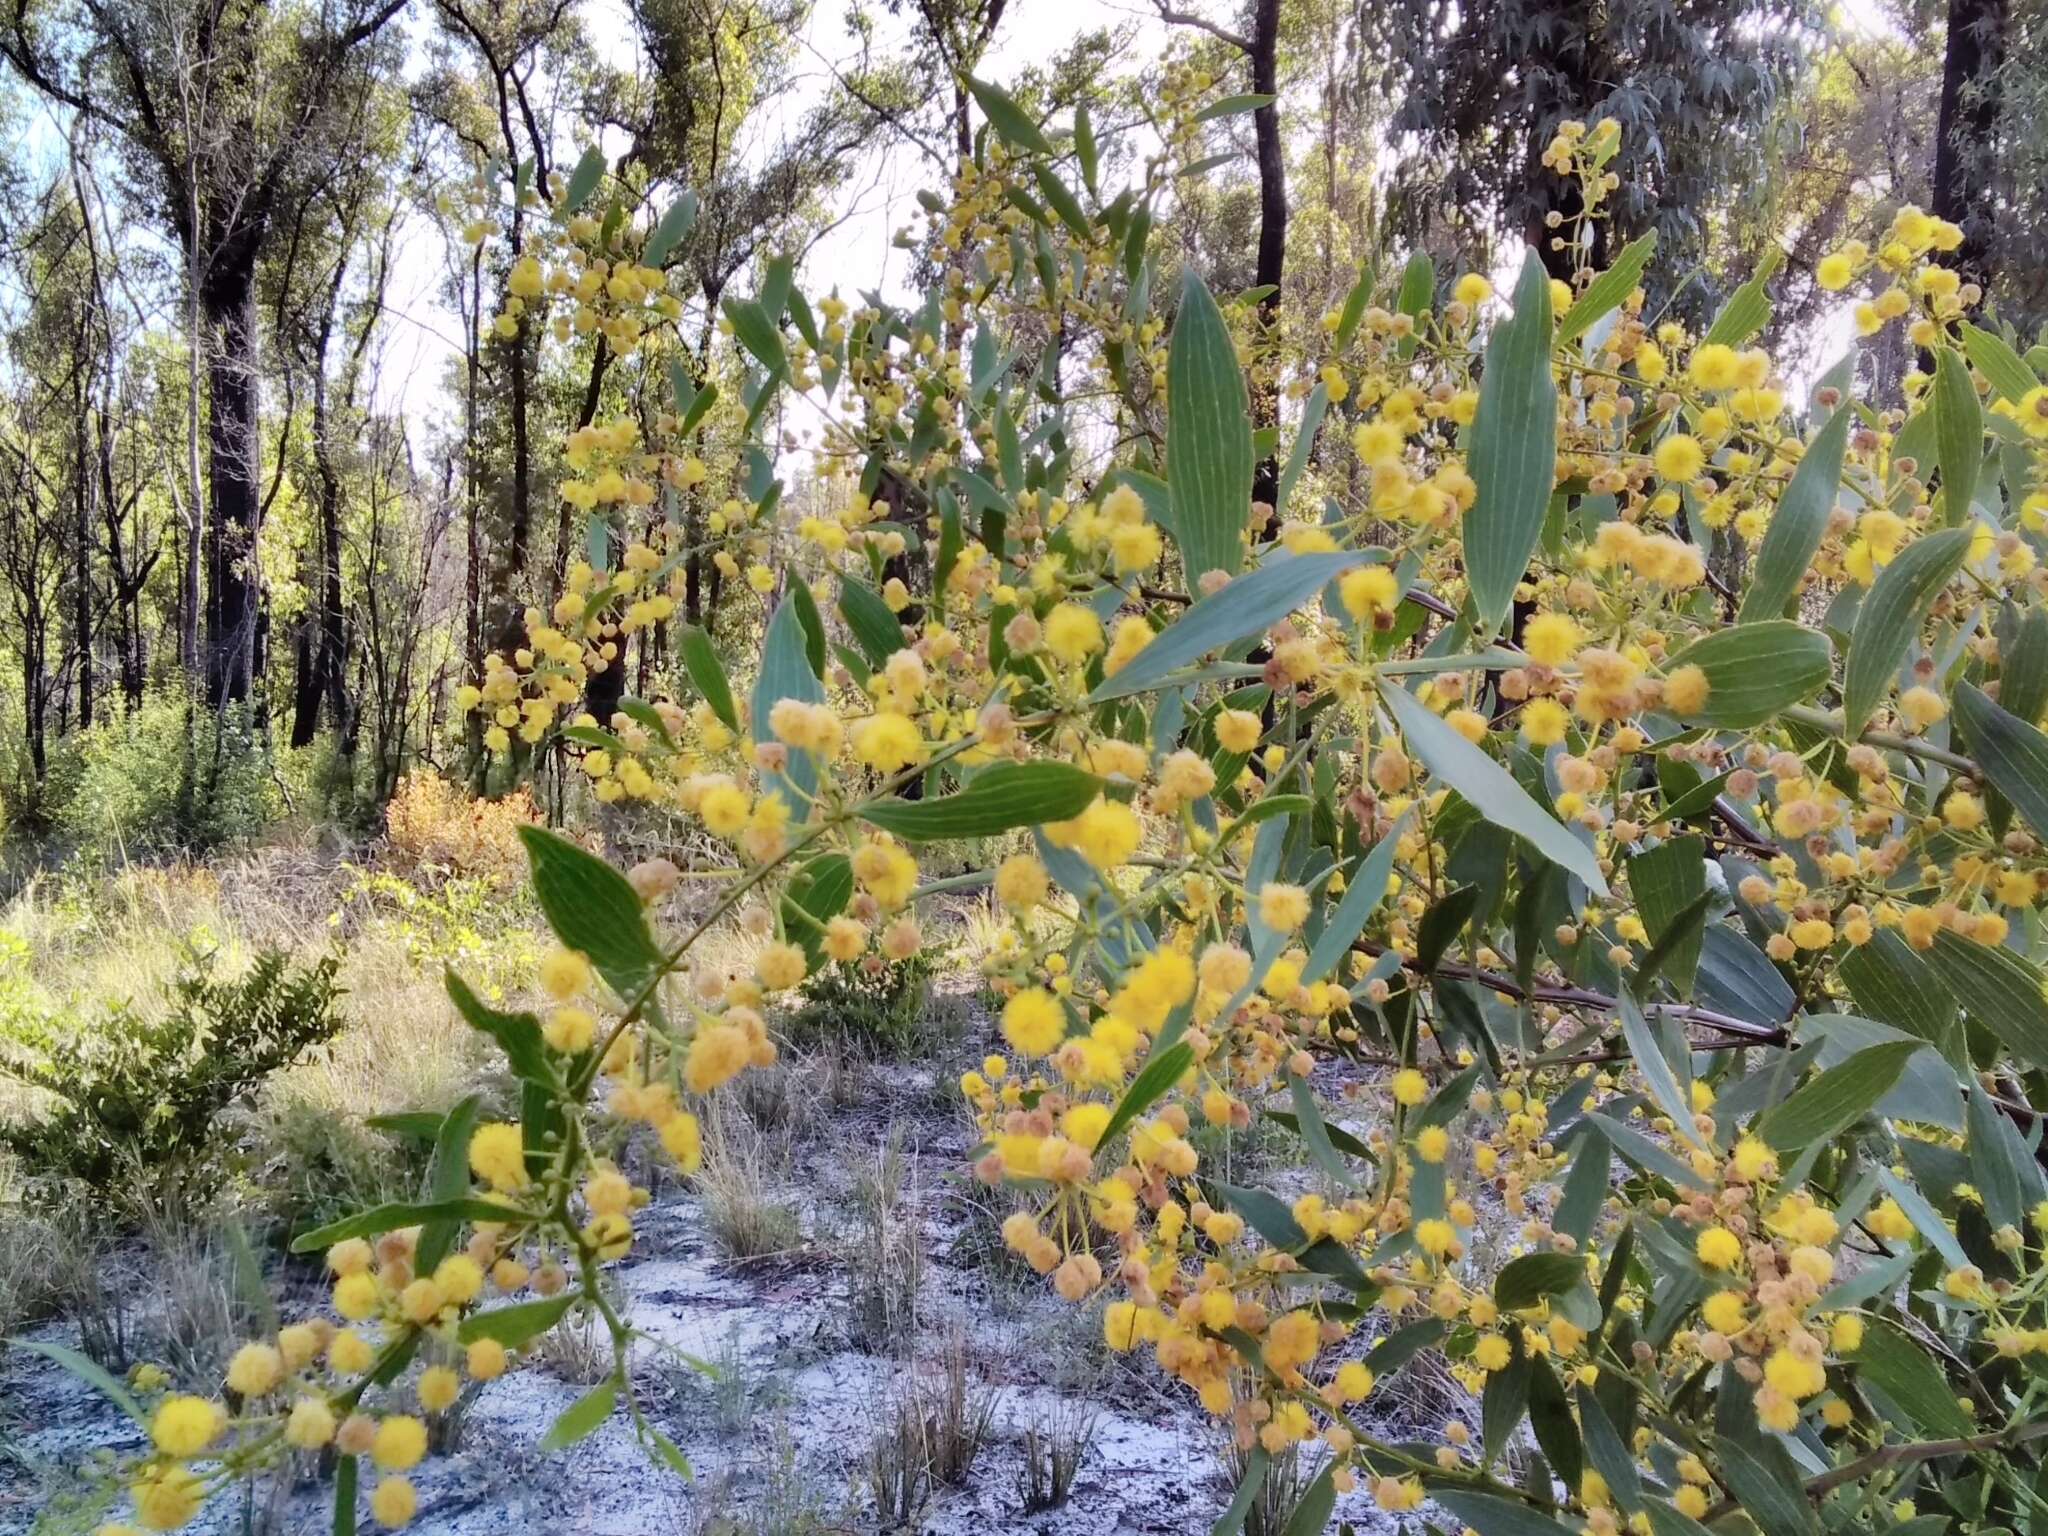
1893	985
1666	881
1064	203
786	673
1312	412
2012	753
346	1475
1833	1100
1403	1345
1786	553
698	408
757	331
592	908
1504	1402
707	672
1311	1515
1638	1149
583	180
1232	106
1906	1373
1084	143
1550	1418
1995	1164
1585	1189
878	631
1755	671
1308	1119
1000	797
1766	1490
1362	898
1525	1281
2007	371
817	892
517	1325
1161	1071
1611	1458
1890	618
1252	601
1610	290
517	1034
1958	433
1511	450
448	1179
1998	989
1010	121
1650	1061
2023	669
1927	1091
1256	1466
408	1213
582	1417
93	1375
1491	1515
1748	309
1417	293
1208	437
672	231
1490	788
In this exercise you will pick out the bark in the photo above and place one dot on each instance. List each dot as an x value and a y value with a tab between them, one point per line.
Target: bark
1964	161
1264	53
234	453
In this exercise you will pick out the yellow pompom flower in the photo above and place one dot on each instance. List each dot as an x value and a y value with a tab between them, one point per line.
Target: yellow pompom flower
1238	730
401	1442
1552	639
564	973
717	1055
255	1370
1680	457
497	1155
1107	834
1034	1022
888	741
184	1425
1409	1087
394	1502
1283	907
167	1497
1369	590
1718	1248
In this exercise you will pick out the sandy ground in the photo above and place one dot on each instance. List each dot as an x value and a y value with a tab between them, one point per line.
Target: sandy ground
781	1443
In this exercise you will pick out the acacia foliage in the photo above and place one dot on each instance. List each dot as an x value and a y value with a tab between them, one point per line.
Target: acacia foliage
1596	808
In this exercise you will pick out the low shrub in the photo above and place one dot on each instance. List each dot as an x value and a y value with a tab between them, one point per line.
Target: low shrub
130	1092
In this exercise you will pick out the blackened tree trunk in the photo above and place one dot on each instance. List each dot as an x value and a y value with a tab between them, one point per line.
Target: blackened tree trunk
236	512
1264	53
1965	159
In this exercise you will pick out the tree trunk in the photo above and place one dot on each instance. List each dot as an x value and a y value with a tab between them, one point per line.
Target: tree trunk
320	681
1272	224
1964	160
232	425
81	619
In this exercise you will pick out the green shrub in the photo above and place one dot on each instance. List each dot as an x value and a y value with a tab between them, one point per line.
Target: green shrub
160	777
883	1009
131	1092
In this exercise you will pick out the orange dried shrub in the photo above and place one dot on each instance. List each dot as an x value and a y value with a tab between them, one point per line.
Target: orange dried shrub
433	826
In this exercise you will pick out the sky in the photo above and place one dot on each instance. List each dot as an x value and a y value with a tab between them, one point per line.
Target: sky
421	339
878	196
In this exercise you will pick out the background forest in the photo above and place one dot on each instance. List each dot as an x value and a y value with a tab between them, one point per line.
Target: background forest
330	335
273	483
